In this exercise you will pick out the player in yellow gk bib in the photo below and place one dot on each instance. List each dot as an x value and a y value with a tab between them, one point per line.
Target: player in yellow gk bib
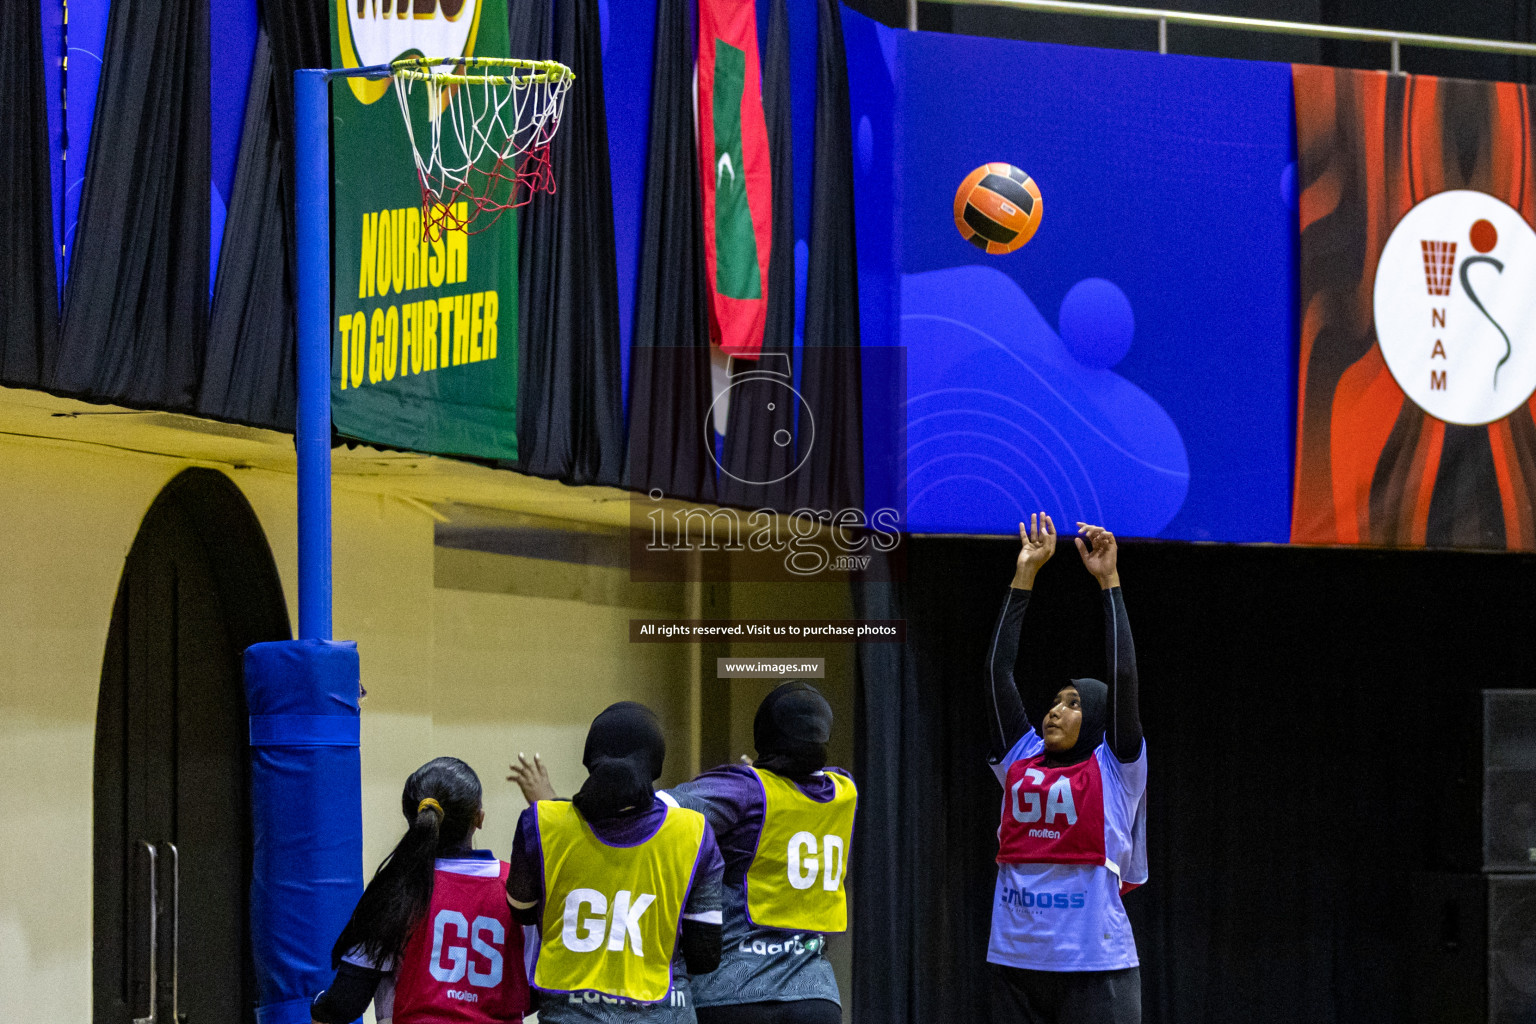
785	825
625	889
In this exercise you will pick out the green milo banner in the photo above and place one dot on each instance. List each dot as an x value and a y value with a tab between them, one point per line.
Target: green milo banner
424	352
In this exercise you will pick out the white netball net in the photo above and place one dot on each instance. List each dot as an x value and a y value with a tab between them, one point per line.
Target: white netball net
490	122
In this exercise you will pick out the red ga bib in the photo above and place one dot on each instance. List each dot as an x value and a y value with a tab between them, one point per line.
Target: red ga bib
464	963
1052	815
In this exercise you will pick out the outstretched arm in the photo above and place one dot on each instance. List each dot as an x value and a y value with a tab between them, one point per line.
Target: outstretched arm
348	995
1008	720
1123	728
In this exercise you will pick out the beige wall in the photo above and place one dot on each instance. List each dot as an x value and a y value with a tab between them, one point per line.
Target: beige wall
466	653
462	653
62	548
529	652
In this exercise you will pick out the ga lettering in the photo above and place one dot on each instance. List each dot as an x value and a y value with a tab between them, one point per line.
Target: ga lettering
1058	800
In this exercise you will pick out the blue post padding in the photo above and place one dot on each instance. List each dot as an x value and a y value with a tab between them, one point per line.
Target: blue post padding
306	816
294	1011
312	420
304	731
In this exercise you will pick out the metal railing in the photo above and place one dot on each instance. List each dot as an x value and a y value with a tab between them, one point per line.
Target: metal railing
1164	18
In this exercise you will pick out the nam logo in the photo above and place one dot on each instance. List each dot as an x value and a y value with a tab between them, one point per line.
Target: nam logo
1455	306
378	31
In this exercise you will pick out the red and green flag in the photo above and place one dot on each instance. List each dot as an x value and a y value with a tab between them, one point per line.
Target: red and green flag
737	181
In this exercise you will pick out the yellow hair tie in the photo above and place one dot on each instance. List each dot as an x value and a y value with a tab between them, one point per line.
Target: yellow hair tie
429	802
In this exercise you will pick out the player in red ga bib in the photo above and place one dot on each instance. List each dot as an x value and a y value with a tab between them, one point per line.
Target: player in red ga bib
432	940
1072	836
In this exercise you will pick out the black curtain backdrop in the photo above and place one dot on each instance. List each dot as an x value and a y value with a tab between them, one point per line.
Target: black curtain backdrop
1313	723
248	373
531	35
299	33
29	300
831	419
570	418
136	307
759	440
892	932
669	382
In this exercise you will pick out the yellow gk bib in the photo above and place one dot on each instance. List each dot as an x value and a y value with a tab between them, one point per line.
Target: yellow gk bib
611	912
796	878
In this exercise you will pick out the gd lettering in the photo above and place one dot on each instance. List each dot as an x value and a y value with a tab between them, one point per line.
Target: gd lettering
805	860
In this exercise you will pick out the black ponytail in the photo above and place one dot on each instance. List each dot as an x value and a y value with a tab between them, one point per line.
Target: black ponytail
441	801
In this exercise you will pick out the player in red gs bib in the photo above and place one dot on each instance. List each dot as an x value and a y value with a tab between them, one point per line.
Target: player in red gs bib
1072	838
432	940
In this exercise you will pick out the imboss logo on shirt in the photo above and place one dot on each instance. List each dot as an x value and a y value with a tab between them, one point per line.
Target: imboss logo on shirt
586	934
486	938
1043	900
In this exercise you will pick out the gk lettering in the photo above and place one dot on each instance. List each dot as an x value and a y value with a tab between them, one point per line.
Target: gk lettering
1058	800
486	937
806	860
586	922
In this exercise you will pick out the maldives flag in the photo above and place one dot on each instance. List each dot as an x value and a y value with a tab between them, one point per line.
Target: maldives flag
735	175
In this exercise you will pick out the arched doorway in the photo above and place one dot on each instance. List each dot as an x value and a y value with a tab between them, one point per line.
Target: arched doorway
172	819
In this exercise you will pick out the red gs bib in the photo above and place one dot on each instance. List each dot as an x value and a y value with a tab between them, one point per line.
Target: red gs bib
1052	815
464	963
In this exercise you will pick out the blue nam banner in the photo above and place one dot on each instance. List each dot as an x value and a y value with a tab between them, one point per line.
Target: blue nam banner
1133	364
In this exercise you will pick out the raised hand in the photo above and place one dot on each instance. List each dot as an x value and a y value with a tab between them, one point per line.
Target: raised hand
1037	543
532	779
1099	554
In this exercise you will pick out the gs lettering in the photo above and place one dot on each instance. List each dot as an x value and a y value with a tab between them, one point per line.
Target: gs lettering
486	938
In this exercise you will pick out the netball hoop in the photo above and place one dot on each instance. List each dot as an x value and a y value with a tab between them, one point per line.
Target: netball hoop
490	123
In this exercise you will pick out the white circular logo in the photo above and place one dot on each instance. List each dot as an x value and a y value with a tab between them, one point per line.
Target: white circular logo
382	30
1455	306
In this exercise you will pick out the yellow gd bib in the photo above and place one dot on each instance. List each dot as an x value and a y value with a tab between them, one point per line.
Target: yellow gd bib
797	875
611	912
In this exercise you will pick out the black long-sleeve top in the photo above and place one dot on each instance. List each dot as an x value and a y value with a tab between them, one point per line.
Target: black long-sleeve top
1009	722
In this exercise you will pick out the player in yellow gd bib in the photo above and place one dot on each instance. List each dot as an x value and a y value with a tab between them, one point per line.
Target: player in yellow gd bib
622	886
785	826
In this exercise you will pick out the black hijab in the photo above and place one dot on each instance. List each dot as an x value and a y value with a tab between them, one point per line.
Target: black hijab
624	753
1094	698
791	730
